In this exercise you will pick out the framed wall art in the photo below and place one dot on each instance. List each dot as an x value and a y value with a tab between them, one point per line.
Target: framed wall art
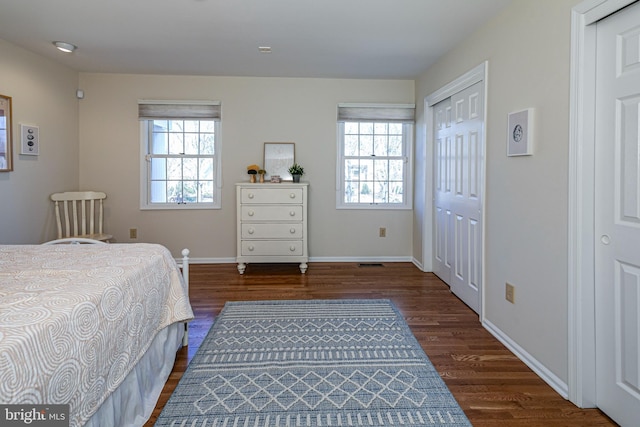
520	133
278	156
6	140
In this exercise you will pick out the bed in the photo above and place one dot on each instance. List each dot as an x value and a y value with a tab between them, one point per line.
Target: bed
93	326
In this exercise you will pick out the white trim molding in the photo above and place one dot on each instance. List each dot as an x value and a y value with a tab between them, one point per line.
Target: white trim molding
549	377
469	78
581	256
419	264
366	259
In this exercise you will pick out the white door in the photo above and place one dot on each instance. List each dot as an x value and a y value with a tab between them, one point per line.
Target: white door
617	216
459	158
443	137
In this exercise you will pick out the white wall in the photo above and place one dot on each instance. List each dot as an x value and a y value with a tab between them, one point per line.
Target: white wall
254	111
528	49
43	94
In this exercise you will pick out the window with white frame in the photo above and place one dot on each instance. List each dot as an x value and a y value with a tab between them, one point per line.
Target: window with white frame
180	154
374	156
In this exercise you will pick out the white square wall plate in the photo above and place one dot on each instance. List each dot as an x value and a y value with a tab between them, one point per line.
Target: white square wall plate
29	140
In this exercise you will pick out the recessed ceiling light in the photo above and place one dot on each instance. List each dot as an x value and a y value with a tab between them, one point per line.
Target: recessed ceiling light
65	47
264	49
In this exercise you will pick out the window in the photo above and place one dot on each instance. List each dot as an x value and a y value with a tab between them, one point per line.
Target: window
374	156
180	155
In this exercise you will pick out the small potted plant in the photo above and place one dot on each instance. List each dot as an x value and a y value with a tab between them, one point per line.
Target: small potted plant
296	172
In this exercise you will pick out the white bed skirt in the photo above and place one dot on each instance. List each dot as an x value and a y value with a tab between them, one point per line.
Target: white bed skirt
135	399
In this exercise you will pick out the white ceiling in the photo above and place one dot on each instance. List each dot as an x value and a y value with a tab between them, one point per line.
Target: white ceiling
390	39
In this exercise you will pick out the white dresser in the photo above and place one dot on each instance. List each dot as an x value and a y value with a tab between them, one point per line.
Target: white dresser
272	223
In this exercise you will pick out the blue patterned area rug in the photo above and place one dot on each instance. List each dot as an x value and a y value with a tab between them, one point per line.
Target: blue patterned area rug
307	364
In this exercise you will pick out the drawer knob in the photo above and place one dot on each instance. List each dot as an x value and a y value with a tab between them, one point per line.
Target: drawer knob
250	195
251	248
250	213
292	248
292	195
292	213
251	231
292	230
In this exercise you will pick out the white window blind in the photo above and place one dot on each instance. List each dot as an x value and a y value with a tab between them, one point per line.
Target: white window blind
206	110
401	113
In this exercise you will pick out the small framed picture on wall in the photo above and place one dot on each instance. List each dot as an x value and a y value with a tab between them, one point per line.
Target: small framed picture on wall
520	133
6	143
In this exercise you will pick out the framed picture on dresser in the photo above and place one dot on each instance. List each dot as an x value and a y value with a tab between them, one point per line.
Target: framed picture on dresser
278	156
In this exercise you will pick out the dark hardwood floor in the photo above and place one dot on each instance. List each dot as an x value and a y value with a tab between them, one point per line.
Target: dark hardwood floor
493	387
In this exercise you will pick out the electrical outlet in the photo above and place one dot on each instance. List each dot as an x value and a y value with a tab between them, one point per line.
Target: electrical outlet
510	293
383	232
133	233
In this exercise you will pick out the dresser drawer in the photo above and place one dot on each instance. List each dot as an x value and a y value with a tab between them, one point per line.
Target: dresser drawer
271	195
271	213
271	231
271	248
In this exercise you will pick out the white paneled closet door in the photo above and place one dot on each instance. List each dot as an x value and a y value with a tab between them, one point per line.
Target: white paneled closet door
443	254
617	216
459	169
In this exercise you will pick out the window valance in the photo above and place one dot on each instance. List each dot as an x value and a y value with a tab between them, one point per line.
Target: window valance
196	110
403	113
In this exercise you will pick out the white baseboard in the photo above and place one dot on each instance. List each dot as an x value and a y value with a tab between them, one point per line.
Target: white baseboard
418	264
210	260
312	259
549	377
360	259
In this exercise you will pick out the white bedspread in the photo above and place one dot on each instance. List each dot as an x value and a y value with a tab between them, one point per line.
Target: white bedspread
75	319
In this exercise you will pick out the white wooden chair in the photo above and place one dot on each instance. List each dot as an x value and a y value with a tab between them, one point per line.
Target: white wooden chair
80	214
